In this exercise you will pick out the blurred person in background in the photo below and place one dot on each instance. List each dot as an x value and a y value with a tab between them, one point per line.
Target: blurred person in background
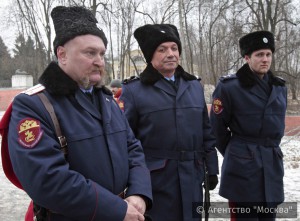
116	89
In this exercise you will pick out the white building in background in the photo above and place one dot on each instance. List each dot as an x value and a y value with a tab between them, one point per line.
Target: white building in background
21	79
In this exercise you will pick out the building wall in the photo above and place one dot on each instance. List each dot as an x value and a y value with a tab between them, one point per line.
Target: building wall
140	63
21	80
6	97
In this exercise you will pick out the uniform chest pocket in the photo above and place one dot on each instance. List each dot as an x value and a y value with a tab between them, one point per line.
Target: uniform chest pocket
82	135
89	130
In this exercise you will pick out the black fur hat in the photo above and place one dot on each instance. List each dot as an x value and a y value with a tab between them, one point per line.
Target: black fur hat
150	37
70	22
256	41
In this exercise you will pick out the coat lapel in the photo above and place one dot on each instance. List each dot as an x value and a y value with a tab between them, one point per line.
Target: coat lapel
247	80
257	91
57	82
150	76
105	102
165	86
87	105
276	91
183	86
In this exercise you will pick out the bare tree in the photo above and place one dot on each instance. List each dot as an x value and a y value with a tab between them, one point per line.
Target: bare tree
214	38
6	67
125	17
275	16
35	15
288	54
186	30
107	17
181	9
160	12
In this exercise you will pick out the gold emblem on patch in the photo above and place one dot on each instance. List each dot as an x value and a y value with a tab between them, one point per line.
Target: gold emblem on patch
217	106
29	132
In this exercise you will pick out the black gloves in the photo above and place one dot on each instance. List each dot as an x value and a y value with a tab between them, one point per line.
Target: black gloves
213	181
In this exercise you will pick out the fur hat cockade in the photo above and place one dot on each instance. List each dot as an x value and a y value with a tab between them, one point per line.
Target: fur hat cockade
70	22
256	41
149	37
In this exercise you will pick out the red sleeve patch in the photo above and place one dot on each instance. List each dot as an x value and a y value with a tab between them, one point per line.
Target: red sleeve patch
30	132
217	106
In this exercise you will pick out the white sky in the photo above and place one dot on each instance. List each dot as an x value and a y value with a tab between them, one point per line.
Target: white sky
7	32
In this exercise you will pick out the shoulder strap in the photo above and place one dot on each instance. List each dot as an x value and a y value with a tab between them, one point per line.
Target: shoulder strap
4	123
49	108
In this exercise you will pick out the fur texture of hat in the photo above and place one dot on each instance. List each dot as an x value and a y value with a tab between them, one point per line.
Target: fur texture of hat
70	22
256	41
149	37
115	83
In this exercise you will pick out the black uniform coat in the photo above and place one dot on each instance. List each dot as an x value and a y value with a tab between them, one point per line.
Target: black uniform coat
103	158
175	132
248	118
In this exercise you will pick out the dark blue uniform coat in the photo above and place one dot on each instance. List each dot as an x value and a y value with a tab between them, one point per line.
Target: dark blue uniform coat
104	157
176	134
248	121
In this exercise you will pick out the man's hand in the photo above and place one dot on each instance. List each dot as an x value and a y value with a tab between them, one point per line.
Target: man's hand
132	214
137	202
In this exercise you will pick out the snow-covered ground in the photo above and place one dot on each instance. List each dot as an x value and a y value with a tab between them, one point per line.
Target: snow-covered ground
14	202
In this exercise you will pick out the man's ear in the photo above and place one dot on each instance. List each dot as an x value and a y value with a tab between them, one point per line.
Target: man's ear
61	54
247	58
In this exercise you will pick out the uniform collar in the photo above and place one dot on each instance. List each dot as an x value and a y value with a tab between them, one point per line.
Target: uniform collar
247	77
150	75
57	82
87	90
171	78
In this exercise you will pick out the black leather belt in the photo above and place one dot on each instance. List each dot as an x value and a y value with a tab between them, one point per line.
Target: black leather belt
182	155
266	142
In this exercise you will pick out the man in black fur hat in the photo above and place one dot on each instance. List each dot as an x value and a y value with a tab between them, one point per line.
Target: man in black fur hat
166	109
248	118
101	174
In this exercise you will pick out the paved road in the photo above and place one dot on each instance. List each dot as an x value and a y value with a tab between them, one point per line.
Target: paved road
13	201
